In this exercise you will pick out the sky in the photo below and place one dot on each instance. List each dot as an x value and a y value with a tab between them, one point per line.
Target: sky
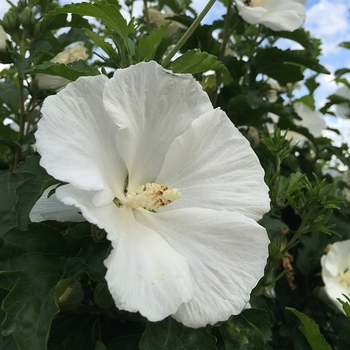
328	20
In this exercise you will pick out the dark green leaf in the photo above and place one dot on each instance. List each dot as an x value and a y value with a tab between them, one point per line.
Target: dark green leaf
29	306
30	191
9	94
311	331
171	335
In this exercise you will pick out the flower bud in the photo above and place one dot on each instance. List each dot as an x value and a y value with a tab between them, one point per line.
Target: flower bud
69	294
27	18
10	21
21	4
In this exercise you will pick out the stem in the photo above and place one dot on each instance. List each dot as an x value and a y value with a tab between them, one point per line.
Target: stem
225	37
188	33
146	15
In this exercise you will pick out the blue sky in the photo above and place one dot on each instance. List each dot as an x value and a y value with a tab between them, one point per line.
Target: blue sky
326	19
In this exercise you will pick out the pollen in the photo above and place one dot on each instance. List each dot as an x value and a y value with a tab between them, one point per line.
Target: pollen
151	196
254	3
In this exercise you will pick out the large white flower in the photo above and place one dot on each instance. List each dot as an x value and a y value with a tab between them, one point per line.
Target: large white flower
336	272
196	256
310	120
342	109
274	14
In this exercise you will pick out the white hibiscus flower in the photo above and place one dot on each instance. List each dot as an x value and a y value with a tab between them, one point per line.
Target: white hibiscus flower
54	82
310	120
274	14
194	256
342	109
336	272
3	38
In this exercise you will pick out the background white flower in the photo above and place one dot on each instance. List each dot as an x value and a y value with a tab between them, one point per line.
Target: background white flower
197	258
53	82
310	119
342	109
336	272
3	38
274	14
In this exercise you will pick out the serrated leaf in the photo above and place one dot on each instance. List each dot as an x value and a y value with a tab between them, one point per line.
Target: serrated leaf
100	42
196	61
311	331
71	71
30	191
102	10
148	44
30	306
172	335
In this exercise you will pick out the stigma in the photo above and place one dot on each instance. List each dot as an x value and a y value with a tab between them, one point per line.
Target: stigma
151	196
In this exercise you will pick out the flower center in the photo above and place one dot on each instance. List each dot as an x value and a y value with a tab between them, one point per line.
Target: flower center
254	3
345	277
151	196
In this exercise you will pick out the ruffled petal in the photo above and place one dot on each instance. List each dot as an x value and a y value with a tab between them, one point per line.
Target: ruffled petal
76	139
50	208
226	253
214	167
151	106
144	273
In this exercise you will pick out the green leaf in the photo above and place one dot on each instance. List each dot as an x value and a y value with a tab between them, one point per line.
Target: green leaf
30	191
345	44
102	10
8	216
148	44
300	36
311	331
345	304
9	94
71	71
169	334
102	43
30	306
196	61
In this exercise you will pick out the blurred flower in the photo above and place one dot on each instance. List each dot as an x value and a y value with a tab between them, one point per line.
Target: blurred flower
343	109
158	19
271	94
336	272
310	120
274	14
54	82
3	38
133	140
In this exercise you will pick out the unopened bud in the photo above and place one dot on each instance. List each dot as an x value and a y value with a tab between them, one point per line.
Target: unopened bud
69	294
26	17
10	21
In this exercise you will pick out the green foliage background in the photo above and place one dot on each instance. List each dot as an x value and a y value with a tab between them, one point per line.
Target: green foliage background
52	288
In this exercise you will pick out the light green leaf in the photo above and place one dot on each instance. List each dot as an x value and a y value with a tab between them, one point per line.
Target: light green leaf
102	10
196	61
311	331
148	44
71	71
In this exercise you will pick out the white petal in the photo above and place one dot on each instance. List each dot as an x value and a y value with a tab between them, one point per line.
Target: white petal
76	139
144	273
274	14
214	167
152	106
343	109
226	253
50	208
